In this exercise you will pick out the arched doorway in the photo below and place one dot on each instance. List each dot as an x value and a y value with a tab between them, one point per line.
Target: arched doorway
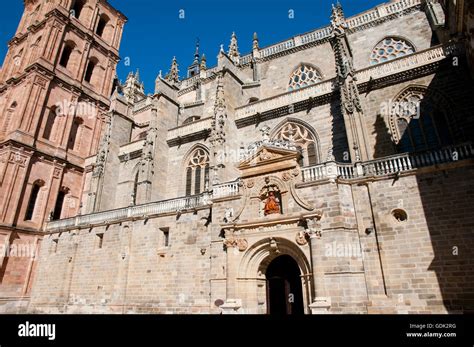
284	290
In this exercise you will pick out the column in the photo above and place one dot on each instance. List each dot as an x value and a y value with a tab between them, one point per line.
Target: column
232	304
321	302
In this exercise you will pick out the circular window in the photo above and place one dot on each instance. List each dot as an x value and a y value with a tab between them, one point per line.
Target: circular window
400	215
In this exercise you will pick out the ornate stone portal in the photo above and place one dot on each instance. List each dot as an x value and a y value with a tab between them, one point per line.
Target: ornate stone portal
271	213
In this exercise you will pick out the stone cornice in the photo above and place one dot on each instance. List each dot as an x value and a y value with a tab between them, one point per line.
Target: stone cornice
273	221
43	69
12	144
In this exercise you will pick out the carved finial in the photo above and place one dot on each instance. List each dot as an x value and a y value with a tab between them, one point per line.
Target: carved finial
234	49
173	75
338	20
255	41
330	156
203	63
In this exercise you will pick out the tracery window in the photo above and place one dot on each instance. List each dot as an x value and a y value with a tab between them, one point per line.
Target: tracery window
303	76
390	48
418	124
303	139
197	172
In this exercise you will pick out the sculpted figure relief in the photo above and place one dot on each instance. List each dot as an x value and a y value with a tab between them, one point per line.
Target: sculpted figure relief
272	205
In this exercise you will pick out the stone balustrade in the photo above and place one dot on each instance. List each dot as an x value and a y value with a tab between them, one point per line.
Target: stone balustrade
245	59
199	126
388	165
188	82
410	161
320	34
380	12
226	189
279	47
155	208
331	170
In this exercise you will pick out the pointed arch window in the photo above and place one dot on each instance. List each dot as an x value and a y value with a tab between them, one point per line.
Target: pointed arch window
419	122
390	48
305	75
197	172
303	139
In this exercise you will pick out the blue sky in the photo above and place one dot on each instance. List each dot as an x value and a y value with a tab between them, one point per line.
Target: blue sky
155	33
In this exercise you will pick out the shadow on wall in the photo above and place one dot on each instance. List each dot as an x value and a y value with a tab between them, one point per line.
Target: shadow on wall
447	196
446	118
339	138
384	145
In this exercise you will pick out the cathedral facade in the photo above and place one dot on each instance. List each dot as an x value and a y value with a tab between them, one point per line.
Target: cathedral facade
328	173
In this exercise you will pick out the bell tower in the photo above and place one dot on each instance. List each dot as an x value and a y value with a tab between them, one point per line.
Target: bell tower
55	86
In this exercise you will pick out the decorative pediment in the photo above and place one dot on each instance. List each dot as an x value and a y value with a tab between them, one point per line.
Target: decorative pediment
268	159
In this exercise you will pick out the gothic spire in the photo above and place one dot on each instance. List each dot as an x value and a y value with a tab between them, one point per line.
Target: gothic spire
196	53
133	89
173	75
234	49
